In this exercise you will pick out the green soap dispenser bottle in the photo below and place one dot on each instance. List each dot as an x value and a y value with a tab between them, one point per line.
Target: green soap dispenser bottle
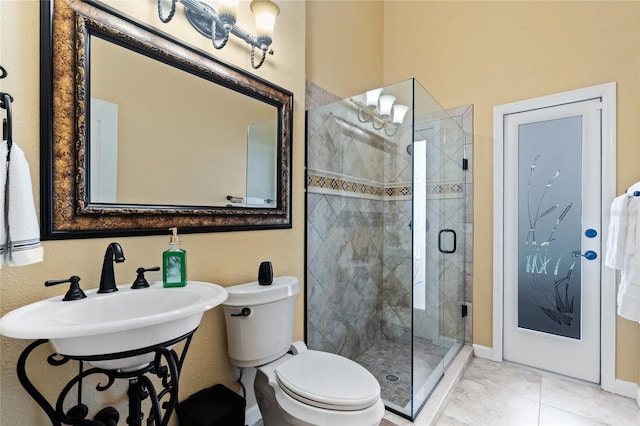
174	263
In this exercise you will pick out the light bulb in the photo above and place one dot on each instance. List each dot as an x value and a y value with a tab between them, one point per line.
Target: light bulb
372	97
228	8
265	12
399	112
386	102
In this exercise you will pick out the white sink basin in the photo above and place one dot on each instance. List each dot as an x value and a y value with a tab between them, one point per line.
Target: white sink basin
111	323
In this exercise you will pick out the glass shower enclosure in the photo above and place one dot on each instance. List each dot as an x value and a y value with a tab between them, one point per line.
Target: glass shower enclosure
385	238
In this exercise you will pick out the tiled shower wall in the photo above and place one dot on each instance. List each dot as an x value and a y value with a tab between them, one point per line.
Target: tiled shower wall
344	234
359	237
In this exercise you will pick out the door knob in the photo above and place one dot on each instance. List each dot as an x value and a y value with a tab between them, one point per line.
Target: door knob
589	254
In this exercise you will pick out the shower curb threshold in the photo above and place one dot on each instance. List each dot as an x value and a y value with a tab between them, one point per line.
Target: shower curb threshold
431	412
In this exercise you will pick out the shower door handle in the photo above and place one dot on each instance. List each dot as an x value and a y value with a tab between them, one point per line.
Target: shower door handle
440	239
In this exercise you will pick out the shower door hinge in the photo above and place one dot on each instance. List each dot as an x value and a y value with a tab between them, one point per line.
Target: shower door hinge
465	164
464	311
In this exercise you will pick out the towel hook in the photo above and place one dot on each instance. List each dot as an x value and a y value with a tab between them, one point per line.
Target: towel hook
3	72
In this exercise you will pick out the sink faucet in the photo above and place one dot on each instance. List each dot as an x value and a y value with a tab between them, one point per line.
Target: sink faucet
107	278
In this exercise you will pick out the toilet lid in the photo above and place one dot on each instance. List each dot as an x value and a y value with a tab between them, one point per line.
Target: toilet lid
327	380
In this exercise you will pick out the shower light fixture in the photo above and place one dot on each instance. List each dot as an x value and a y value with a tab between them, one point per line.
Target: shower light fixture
381	112
217	24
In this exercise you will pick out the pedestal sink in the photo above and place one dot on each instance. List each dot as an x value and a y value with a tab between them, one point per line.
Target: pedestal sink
104	329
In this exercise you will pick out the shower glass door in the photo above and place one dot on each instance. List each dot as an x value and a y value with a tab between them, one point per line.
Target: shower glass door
438	242
384	240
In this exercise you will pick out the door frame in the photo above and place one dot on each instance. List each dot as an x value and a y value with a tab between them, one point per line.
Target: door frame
607	93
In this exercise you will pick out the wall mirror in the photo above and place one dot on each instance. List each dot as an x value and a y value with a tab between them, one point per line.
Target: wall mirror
141	132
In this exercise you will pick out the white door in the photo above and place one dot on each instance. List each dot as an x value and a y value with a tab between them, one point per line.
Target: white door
553	238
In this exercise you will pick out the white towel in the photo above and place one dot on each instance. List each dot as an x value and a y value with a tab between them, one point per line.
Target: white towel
629	291
623	251
617	238
632	245
255	200
19	230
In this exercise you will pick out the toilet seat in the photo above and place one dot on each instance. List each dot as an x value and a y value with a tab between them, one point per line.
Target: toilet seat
328	381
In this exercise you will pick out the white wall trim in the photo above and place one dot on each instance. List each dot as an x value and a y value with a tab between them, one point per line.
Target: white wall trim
484	352
628	389
607	93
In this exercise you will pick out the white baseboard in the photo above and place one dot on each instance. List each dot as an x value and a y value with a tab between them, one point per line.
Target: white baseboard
628	389
485	352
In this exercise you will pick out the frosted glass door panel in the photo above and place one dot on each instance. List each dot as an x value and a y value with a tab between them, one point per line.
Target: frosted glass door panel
549	237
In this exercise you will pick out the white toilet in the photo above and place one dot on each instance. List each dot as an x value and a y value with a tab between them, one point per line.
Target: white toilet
294	385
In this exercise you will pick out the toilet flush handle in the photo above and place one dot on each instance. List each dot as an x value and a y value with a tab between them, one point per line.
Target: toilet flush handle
245	312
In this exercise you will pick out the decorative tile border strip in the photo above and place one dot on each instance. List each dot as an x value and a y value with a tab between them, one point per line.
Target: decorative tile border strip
328	184
343	185
397	191
451	188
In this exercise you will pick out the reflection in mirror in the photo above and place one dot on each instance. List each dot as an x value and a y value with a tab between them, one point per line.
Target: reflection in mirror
141	132
262	156
162	143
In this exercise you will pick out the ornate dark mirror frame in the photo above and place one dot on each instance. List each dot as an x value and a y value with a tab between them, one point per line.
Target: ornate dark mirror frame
66	211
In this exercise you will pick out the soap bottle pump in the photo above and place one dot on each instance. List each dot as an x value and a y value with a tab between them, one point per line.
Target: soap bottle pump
174	263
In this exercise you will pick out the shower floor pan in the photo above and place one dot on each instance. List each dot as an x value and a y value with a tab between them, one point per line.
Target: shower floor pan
390	363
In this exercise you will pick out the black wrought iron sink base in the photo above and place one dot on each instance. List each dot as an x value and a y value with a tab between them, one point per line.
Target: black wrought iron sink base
166	366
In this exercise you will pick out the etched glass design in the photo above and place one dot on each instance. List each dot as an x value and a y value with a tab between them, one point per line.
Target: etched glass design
549	224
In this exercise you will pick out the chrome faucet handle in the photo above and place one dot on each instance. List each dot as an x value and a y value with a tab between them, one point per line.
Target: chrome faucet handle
74	292
141	281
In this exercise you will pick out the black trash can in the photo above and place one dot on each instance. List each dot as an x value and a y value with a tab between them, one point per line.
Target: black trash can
215	406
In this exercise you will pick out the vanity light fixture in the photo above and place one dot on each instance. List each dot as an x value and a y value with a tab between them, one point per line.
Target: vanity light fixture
381	111
217	24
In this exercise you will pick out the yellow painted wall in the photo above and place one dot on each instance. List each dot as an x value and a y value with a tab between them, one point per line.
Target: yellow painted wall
486	54
344	45
224	258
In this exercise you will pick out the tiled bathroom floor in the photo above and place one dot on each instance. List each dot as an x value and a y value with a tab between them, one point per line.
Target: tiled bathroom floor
491	393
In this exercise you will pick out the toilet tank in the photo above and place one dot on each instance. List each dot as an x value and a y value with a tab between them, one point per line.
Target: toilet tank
259	320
